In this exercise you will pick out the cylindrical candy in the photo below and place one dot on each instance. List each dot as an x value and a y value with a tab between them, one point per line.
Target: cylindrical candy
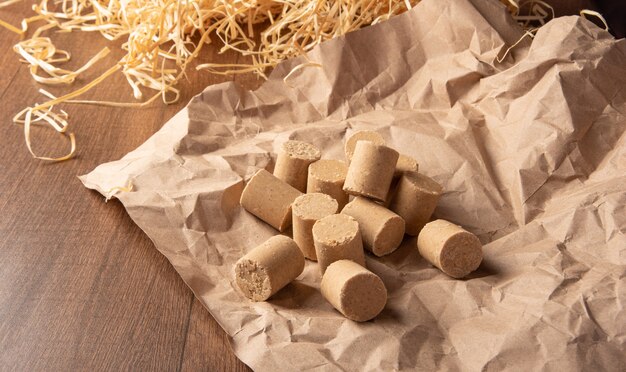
381	229
269	198
451	248
363	135
327	177
337	237
306	210
405	164
356	292
293	161
415	199
371	171
269	267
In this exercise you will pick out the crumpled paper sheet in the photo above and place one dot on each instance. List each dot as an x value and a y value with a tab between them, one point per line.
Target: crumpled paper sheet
532	156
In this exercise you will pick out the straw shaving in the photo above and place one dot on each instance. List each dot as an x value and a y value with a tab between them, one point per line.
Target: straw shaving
162	37
587	12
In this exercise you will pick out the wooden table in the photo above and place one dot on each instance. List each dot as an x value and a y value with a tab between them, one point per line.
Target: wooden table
81	286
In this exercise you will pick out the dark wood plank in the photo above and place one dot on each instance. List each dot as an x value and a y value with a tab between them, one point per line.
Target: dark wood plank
8	60
81	286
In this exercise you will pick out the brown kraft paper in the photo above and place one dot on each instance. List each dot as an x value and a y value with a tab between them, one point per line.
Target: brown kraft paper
531	154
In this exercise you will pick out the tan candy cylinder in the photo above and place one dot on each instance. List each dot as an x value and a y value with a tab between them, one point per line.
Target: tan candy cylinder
269	267
293	162
371	171
405	164
381	229
356	292
452	249
415	199
363	135
337	237
306	210
328	177
269	198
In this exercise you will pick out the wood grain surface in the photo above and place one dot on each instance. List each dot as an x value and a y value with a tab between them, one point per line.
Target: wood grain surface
81	286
